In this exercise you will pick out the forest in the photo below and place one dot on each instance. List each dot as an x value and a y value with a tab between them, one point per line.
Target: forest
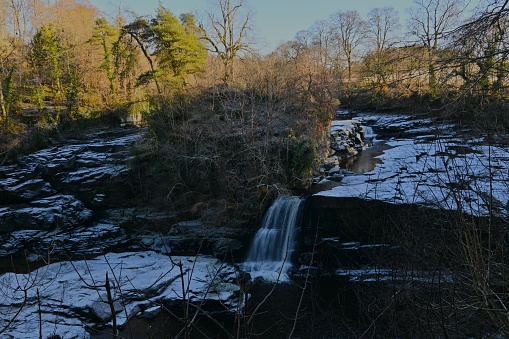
61	61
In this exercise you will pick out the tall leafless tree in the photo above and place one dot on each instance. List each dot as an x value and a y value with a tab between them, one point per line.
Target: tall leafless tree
228	33
321	39
382	27
429	22
349	29
381	31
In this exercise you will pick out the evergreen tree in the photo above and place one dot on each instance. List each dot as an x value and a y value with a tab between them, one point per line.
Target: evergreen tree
107	35
44	51
178	49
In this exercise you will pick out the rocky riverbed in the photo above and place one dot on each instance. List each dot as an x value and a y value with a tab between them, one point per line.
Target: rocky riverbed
387	197
421	162
75	201
413	232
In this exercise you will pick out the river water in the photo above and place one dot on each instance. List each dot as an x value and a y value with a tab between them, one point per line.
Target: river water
367	159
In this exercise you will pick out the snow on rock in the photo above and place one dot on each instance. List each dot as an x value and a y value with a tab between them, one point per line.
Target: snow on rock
79	167
347	136
54	211
72	295
347	139
39	244
448	172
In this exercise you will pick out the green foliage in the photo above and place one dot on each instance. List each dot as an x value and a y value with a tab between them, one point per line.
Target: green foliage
72	92
10	95
107	36
303	159
178	49
62	78
45	50
299	159
126	62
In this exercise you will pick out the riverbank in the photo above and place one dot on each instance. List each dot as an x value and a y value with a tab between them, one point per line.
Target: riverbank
354	247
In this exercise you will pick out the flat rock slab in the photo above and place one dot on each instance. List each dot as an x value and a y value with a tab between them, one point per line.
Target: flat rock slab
36	245
72	295
59	210
448	172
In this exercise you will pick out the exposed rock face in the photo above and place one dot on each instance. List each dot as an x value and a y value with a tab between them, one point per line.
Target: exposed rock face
58	210
73	200
57	187
425	221
51	199
347	139
93	170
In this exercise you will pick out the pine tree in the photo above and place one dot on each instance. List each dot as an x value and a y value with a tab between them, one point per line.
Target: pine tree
107	35
178	48
44	51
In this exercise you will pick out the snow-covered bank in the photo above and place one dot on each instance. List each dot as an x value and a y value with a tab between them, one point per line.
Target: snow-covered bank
433	166
66	298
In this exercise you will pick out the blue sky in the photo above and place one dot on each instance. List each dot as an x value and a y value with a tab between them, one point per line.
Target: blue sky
275	21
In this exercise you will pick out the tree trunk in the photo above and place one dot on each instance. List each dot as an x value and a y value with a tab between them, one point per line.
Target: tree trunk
2	102
349	62
432	74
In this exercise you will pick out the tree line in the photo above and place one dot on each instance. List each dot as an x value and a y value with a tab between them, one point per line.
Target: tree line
63	59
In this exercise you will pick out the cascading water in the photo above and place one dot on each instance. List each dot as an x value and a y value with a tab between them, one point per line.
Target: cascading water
274	242
368	132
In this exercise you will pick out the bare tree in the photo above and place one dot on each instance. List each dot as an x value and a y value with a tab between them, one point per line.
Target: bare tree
14	25
382	27
429	22
482	58
349	29
227	36
381	32
20	14
321	37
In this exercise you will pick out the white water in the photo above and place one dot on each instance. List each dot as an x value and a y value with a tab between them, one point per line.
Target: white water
368	132
273	244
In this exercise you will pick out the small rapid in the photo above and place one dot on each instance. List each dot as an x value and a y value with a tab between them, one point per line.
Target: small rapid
368	132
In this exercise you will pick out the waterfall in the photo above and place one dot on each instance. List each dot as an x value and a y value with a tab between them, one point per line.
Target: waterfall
368	132
274	242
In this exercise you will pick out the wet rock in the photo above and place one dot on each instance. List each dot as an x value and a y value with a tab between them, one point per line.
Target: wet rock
56	211
182	238
101	309
37	245
224	247
151	219
192	237
156	242
150	313
353	253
